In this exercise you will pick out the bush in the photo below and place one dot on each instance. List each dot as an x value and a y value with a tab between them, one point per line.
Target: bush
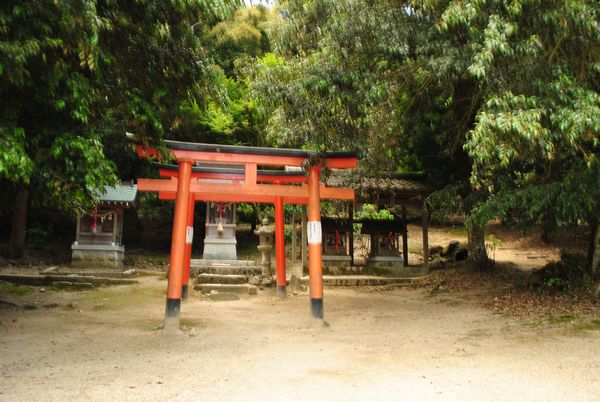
570	272
369	211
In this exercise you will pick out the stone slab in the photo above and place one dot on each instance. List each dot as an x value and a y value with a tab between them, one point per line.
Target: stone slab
203	262
345	258
360	280
224	279
226	296
45	280
245	289
246	270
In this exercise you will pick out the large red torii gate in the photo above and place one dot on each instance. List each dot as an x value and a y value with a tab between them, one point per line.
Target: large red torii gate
248	184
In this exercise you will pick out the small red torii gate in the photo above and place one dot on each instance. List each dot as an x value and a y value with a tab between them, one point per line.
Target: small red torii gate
248	184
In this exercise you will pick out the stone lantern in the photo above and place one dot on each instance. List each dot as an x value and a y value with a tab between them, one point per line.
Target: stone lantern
265	235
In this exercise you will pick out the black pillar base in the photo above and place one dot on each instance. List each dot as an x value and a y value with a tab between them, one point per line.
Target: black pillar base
184	292
173	307
172	314
281	291
316	307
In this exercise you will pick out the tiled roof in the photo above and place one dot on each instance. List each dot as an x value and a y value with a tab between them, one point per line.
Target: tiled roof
384	183
388	188
122	193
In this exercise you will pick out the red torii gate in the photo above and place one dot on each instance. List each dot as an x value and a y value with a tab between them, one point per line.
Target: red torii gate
249	184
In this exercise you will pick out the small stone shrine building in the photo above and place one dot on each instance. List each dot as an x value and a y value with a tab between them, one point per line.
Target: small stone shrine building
99	235
219	241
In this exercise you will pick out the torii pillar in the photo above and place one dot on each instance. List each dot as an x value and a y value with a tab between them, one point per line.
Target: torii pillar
178	246
189	239
280	247
314	234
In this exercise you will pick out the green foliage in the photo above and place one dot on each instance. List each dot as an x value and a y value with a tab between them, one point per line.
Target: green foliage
334	209
503	93
245	212
47	91
355	74
37	235
564	275
75	75
492	244
12	289
534	144
15	164
370	211
557	284
242	36
444	204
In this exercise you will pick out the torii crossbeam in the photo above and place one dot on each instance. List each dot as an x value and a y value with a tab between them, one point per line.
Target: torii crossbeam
187	183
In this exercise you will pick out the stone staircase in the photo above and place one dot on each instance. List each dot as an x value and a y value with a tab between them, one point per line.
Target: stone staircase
231	278
239	277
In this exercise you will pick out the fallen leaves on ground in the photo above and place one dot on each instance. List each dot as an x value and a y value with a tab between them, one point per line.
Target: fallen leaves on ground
502	290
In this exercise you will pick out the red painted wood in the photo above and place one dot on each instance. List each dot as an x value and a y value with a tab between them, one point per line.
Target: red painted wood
242	192
188	246
280	242
179	230
315	268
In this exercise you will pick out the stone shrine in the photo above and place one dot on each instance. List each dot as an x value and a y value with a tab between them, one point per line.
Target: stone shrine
219	241
99	235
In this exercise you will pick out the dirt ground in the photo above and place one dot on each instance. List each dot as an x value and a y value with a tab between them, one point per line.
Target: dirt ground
380	345
505	245
410	343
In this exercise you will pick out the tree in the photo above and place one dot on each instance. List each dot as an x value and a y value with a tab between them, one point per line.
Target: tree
534	144
377	77
503	94
49	53
74	75
244	35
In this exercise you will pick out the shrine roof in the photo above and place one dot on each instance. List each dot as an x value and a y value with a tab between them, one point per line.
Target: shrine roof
122	193
388	188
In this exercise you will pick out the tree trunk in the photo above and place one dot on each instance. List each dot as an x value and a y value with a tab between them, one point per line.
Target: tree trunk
477	258
594	250
16	244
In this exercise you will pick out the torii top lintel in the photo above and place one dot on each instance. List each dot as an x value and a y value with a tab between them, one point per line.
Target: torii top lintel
235	154
246	183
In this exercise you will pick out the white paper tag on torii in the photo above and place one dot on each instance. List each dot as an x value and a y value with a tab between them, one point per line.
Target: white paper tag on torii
189	235
313	232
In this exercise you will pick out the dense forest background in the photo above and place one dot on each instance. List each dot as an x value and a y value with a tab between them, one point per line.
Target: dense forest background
496	102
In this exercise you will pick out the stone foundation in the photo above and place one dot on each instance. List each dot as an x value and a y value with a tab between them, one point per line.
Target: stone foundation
219	249
394	266
90	256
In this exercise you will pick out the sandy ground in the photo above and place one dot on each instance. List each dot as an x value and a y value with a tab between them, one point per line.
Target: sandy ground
402	344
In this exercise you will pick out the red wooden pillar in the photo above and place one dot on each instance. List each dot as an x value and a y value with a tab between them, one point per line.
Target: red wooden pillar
314	234
189	238
176	260
280	247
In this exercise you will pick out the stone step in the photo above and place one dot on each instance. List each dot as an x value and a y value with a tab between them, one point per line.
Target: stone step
361	280
244	289
98	274
209	263
46	280
247	270
223	279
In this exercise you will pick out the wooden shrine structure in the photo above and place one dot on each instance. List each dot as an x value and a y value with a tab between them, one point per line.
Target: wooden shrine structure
99	234
185	183
404	195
